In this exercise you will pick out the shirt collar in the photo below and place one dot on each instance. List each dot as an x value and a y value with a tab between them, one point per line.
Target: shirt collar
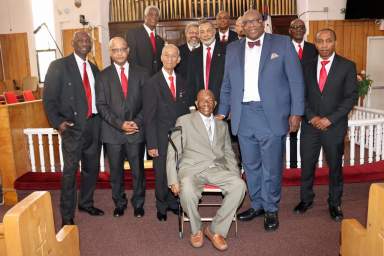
206	118
191	48
261	38
330	58
226	33
125	66
149	30
297	44
166	75
212	45
79	59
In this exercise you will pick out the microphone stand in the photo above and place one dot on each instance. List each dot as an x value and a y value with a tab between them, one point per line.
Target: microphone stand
49	32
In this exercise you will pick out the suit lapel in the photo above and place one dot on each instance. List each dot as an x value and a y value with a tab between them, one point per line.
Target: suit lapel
164	88
241	55
313	76
200	65
145	38
116	88
74	69
331	74
200	126
265	52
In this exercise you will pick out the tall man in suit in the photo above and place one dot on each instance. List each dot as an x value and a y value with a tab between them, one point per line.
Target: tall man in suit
224	35
119	101
239	27
193	41
207	157
165	99
263	89
331	93
69	102
306	52
206	63
144	44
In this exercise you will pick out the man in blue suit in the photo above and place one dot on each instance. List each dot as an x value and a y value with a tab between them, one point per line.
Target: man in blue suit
263	89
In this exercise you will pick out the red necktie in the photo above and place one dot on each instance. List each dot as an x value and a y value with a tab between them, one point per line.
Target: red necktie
207	67
124	82
87	88
323	75
252	44
153	42
172	87
300	52
223	40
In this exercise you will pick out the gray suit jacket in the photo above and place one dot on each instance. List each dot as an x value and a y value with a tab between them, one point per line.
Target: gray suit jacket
198	154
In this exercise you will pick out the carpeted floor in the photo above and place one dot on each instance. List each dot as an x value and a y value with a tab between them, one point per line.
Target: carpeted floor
313	233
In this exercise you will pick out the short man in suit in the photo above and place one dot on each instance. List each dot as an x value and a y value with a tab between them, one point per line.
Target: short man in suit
165	99
119	101
239	27
331	93
69	102
306	52
206	63
263	89
207	157
193	41
224	35
144	44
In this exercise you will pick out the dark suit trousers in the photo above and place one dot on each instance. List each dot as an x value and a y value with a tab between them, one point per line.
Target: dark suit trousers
164	197
312	140
293	149
85	147
134	153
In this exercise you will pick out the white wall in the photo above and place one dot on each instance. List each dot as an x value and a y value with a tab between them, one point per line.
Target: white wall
314	9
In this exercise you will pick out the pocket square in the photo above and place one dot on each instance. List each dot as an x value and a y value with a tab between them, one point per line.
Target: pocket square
274	55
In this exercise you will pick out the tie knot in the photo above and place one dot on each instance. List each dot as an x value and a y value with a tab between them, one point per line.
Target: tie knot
170	78
299	46
324	62
85	64
252	44
208	49
122	69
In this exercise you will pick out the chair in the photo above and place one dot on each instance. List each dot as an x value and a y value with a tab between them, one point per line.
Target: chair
10	97
357	240
207	189
28	95
28	229
30	83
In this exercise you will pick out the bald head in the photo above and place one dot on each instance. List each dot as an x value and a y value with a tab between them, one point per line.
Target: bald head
116	40
205	102
170	57
118	50
170	47
82	44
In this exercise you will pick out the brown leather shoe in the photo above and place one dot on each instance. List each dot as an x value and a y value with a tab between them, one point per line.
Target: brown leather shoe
217	240
197	240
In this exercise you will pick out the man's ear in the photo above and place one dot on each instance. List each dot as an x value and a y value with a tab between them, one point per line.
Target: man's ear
215	103
196	103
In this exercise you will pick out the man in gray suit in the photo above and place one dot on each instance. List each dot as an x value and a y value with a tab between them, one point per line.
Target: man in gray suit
207	158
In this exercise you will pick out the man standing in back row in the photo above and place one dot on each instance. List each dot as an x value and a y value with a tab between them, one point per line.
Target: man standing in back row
263	90
69	101
331	93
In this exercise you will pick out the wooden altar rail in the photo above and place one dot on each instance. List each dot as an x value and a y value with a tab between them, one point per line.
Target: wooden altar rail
13	145
133	10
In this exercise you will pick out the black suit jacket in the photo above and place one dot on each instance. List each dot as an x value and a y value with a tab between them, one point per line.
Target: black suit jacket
161	111
140	50
339	94
309	52
231	37
195	77
114	108
182	67
64	95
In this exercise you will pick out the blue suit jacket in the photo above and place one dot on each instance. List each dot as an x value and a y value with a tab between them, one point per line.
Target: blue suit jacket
281	84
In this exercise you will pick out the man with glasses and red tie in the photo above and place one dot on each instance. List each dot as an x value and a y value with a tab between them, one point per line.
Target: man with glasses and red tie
206	63
306	52
263	90
119	101
165	99
331	93
144	44
69	102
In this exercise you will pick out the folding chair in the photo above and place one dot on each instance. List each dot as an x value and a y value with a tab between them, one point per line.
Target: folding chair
208	188
10	97
28	95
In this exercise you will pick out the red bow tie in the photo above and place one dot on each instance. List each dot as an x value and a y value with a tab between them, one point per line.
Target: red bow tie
252	44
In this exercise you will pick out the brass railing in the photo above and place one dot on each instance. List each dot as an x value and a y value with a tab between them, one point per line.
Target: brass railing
132	10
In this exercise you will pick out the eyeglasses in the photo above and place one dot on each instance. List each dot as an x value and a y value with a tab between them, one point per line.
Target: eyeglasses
119	50
298	27
252	22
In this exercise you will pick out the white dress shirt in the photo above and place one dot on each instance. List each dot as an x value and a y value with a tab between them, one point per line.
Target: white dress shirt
297	45
327	67
126	69
205	57
91	78
190	47
251	71
226	34
166	76
209	121
149	31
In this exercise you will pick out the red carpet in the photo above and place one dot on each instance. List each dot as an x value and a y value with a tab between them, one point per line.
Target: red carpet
291	177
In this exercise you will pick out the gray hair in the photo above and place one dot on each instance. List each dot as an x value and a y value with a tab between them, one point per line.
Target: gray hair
190	25
170	46
150	7
114	39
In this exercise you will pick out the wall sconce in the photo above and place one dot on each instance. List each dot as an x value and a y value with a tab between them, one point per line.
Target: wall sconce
78	3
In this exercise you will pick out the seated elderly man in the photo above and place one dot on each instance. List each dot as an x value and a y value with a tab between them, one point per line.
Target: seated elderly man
207	158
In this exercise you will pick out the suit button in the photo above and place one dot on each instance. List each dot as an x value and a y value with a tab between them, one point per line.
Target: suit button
75	113
154	61
71	98
69	84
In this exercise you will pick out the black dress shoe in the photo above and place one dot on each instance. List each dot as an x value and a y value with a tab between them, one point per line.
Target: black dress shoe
67	222
119	211
91	211
161	217
174	211
302	207
138	212
336	213
250	214
271	221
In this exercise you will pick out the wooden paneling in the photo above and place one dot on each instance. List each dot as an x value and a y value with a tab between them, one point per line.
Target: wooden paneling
15	56
351	37
94	55
173	31
14	157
